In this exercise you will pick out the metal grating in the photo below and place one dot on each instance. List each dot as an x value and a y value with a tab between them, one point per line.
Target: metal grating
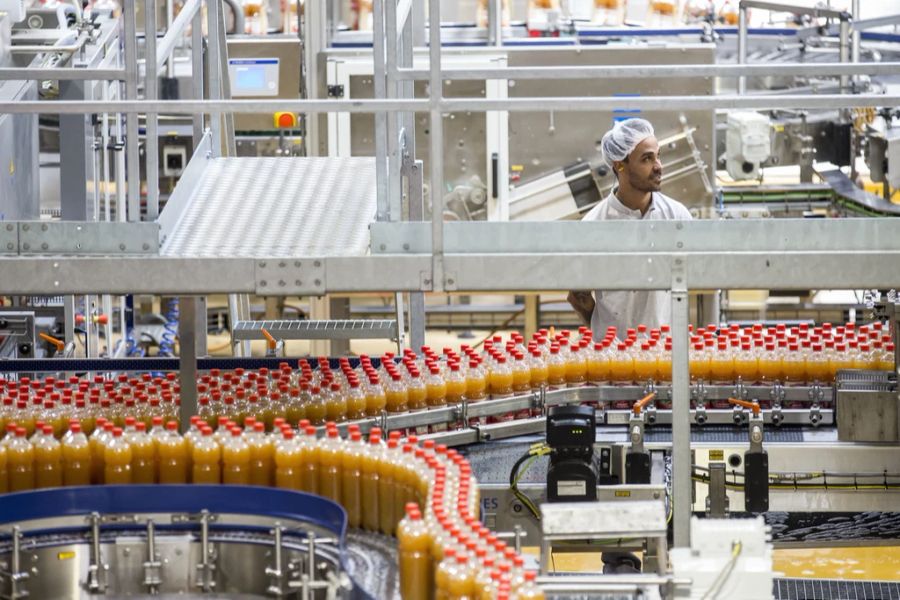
334	329
834	589
724	434
249	207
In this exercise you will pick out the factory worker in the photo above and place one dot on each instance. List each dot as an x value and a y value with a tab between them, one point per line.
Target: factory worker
631	151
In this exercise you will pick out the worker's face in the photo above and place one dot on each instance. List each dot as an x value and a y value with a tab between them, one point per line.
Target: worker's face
643	169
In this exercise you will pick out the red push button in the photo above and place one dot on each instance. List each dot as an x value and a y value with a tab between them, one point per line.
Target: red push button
285	120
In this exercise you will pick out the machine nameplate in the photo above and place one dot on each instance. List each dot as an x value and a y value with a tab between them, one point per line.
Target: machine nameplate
571	488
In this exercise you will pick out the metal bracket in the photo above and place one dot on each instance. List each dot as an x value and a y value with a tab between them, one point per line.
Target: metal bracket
152	566
69	237
275	573
335	91
290	277
450	281
425	283
206	567
14	575
9	239
679	271
96	578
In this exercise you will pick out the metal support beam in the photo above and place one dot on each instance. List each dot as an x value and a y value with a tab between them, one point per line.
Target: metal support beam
151	92
187	335
845	50
495	22
436	191
167	44
681	409
197	74
133	166
742	46
381	122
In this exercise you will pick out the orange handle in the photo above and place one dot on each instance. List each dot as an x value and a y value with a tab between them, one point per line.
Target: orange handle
751	405
58	343
640	404
270	341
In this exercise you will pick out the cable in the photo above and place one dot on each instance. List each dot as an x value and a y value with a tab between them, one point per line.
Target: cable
167	342
725	573
535	451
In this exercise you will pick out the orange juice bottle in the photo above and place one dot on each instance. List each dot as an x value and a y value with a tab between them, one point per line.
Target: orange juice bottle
143	455
396	396
330	451
538	365
886	358
369	483
461	580
413	548
336	404
356	400
316	409
387	467
262	456
47	460
98	440
770	364
436	388
375	398
456	384
444	570
295	408
794	364
817	368
20	462
206	459
351	479
721	363
556	368
501	378
521	374
576	366
117	459
288	462
529	590
416	391
172	459
76	457
644	364
598	364
746	363
236	459
309	462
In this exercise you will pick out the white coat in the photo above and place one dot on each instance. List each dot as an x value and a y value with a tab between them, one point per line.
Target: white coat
629	309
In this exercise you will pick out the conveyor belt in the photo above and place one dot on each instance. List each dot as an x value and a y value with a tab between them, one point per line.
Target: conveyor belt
724	434
849	192
371	560
835	589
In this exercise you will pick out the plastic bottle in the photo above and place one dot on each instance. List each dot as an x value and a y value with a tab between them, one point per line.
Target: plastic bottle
817	367
206	459
330	450
444	572
885	360
47	460
172	456
416	392
769	364
375	398
746	363
351	479
597	364
356	400
644	364
436	388
461	581
143	455
117	459
236	459
262	457
309	462
521	371
539	371
395	393
97	443
20	462
529	590
369	483
413	544
316	409
288	462
387	461
456	384
794	364
721	363
576	366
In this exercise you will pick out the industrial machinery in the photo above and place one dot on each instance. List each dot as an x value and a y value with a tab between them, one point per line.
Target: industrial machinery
209	165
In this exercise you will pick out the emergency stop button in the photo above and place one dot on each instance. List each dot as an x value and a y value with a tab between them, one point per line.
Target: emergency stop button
285	120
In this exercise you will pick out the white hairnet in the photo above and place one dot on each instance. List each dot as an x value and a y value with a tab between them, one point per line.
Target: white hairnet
623	138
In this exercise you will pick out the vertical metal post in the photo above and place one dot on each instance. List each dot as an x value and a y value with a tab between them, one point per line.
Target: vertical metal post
856	36
381	124
742	46
495	22
313	42
133	167
392	54
69	317
213	28
197	69
151	91
418	23
681	409
845	49
437	146
170	17
187	329
401	337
